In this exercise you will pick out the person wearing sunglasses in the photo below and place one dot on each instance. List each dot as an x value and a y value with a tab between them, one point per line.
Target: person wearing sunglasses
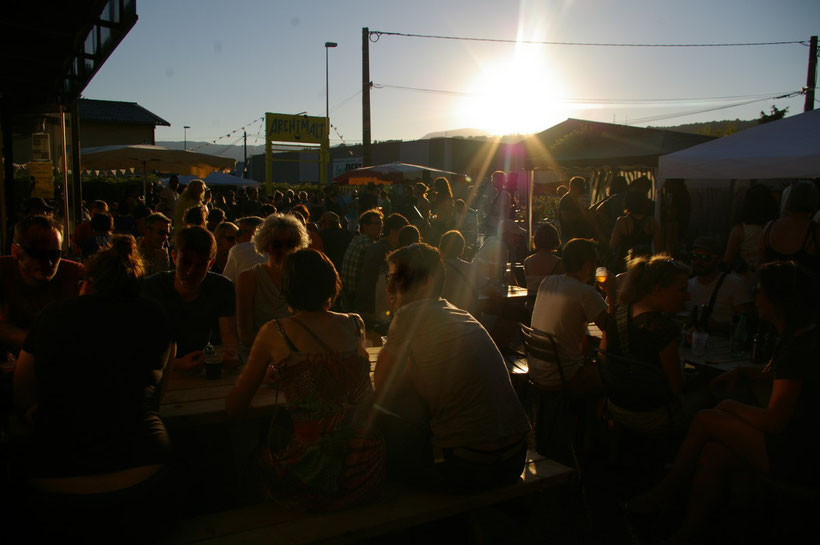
724	295
370	229
225	234
33	276
259	298
153	244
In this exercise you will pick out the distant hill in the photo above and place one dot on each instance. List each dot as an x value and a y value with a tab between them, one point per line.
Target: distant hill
457	133
224	150
712	128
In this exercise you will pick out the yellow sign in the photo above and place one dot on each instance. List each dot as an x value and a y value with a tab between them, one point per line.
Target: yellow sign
296	128
43	175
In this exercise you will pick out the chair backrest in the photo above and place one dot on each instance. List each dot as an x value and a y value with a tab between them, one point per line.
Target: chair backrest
542	346
633	384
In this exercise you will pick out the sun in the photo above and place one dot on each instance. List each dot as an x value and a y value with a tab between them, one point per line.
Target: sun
518	95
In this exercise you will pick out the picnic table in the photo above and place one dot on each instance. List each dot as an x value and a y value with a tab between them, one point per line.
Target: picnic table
192	399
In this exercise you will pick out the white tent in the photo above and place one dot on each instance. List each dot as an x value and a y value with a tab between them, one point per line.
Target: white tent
788	148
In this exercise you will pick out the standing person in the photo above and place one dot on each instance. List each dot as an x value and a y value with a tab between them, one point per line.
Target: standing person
98	446
497	208
744	248
169	196
84	230
370	229
259	297
322	452
636	233
572	211
441	208
200	305
33	276
781	439
607	212
191	196
153	245
103	226
795	236
463	281
451	391
335	240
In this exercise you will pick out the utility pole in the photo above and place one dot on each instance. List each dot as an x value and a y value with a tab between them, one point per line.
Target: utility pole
245	146
366	97
811	79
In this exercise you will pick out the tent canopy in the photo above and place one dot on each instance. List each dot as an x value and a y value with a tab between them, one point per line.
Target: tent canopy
787	148
153	158
395	173
583	143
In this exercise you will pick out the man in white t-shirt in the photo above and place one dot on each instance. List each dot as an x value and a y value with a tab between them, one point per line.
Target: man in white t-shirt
733	294
565	304
242	255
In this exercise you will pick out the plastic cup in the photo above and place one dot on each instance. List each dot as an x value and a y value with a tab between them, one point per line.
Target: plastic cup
699	339
601	275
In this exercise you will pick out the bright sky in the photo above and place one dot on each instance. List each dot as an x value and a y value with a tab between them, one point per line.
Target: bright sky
217	66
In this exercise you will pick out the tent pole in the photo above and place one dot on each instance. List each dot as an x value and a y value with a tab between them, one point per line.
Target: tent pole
69	227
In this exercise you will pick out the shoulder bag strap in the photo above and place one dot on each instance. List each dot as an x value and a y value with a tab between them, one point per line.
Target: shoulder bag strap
712	299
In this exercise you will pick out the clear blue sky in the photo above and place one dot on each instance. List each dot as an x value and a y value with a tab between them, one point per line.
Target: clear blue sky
218	65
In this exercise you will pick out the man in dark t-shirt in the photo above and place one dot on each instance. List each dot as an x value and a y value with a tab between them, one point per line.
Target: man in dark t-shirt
32	277
572	213
197	302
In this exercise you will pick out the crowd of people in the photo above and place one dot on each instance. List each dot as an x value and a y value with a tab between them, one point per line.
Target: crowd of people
293	288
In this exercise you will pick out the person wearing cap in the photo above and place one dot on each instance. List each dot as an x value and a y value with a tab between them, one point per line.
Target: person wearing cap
724	295
33	276
335	240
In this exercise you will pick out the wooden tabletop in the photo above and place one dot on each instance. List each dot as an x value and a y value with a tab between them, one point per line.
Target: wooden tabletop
192	399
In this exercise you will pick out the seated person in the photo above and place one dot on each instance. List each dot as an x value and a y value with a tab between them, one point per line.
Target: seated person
320	363
543	262
242	255
87	380
781	439
33	276
441	380
225	234
373	265
463	282
259	297
725	295
641	328
198	303
564	306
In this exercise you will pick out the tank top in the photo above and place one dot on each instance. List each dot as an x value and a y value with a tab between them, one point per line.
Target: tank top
801	256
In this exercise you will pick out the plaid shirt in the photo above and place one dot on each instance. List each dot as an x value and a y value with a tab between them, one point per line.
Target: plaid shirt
352	265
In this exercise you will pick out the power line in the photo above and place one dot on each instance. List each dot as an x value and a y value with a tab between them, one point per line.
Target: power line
704	110
592	101
379	33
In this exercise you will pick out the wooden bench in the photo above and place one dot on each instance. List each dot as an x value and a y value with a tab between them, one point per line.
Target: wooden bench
397	508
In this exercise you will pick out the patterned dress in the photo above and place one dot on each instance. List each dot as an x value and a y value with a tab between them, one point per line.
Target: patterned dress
319	449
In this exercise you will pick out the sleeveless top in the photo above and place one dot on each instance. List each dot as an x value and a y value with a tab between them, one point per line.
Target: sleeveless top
268	301
319	450
801	256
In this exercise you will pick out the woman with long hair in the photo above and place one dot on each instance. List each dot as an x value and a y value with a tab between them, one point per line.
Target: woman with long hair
318	449
641	328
